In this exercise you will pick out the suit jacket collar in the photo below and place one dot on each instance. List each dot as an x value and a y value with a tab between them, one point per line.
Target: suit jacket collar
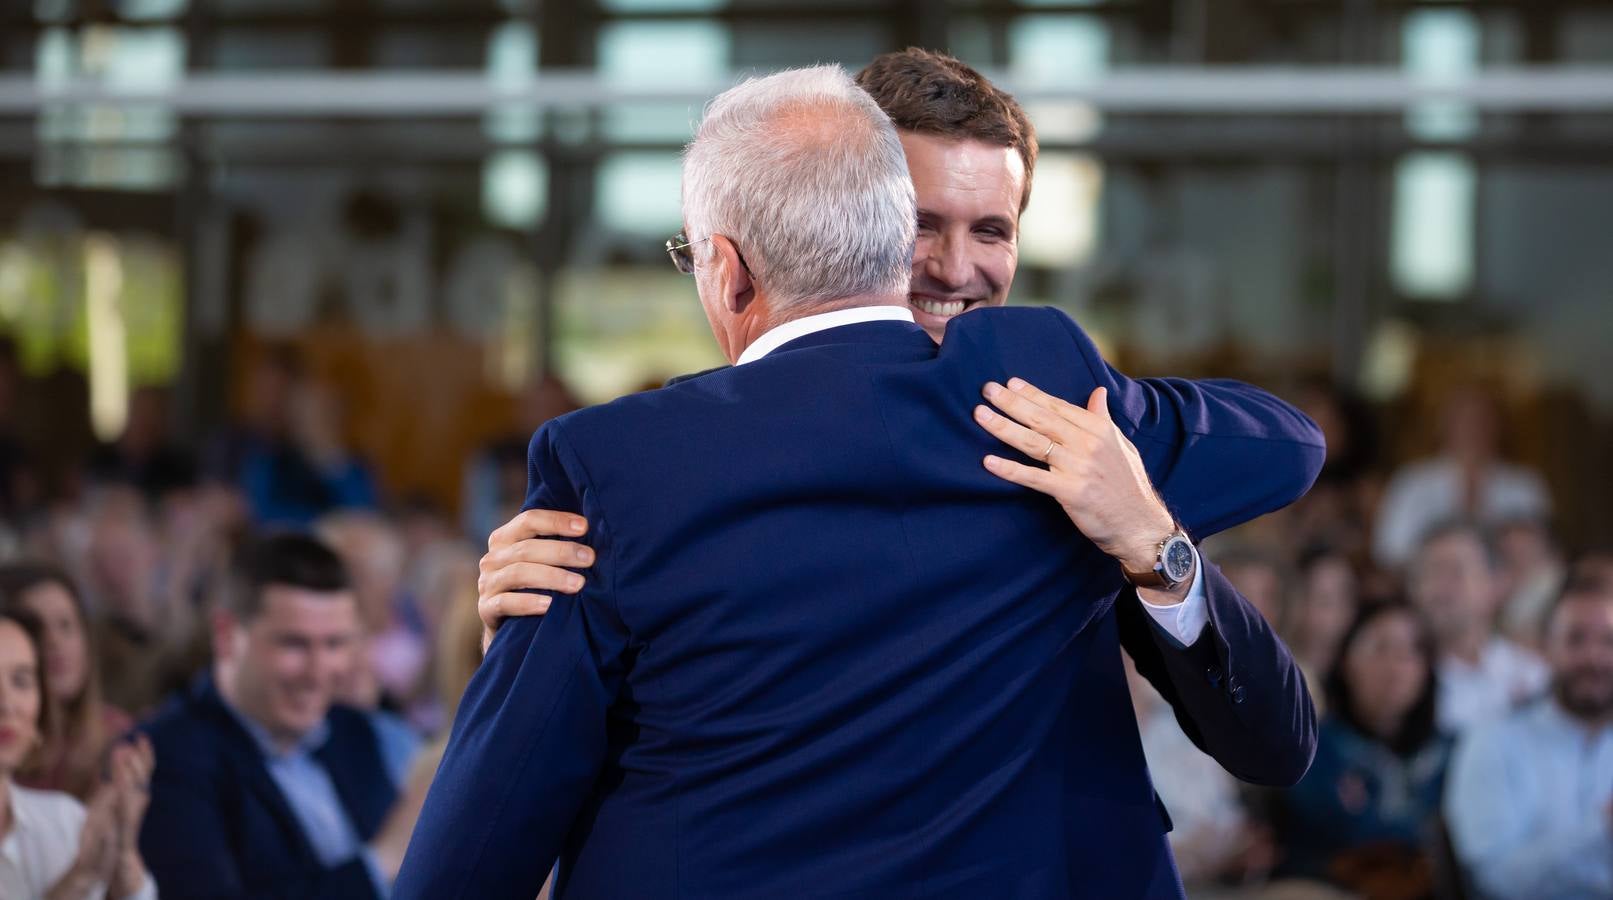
871	341
796	329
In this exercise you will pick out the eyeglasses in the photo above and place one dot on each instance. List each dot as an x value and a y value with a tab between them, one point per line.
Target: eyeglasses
678	246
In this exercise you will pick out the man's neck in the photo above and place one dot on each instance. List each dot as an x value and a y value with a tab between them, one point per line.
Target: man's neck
751	329
279	741
1469	648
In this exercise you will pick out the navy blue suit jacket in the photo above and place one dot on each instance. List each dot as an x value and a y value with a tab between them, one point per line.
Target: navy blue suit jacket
218	826
823	652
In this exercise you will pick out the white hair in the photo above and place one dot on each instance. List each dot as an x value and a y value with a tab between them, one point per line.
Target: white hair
805	174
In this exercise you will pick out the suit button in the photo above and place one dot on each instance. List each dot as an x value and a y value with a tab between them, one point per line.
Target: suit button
1213	675
1236	691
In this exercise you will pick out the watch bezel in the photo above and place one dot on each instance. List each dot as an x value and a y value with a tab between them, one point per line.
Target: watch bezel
1166	550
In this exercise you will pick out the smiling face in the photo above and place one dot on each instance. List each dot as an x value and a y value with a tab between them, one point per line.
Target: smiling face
21	696
969	195
284	667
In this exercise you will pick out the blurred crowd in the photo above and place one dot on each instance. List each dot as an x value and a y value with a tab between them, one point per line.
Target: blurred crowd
1461	655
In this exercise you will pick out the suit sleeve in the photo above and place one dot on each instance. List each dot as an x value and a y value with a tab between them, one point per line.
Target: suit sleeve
529	739
1220	453
185	843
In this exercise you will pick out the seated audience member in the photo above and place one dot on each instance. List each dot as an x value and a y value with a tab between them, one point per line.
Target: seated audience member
373	552
310	471
495	476
1594	566
1467	480
1334	512
1212	837
1452	581
1319	614
85	728
1530	804
1531	570
52	846
140	626
1362	817
1255	572
446	582
263	786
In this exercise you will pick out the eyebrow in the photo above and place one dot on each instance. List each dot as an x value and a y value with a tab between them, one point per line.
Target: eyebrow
998	221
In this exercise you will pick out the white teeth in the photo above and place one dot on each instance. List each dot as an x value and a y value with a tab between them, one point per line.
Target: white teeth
939	307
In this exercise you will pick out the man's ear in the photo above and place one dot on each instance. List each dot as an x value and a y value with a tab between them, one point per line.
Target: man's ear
223	626
737	288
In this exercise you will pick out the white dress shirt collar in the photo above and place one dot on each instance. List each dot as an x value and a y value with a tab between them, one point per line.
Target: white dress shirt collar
779	335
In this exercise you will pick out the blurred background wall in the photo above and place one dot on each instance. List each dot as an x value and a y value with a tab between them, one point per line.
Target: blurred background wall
452	213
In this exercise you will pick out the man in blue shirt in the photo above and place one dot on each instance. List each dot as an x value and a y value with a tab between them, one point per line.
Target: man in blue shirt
264	787
1530	796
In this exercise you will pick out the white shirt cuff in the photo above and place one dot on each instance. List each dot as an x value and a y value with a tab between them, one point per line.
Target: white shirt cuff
1184	621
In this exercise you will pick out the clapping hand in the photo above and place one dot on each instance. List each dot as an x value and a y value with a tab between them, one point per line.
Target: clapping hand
130	767
97	859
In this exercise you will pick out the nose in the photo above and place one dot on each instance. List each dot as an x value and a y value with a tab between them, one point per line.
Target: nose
946	261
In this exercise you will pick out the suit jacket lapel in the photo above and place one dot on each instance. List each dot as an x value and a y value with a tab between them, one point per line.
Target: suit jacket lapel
247	759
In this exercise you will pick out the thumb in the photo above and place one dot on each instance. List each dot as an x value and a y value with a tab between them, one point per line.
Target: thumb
1099	402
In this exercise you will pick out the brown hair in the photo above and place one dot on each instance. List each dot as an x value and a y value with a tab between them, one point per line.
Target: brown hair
932	93
24	618
281	558
79	721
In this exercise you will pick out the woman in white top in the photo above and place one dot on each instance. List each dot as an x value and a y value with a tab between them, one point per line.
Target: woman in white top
51	846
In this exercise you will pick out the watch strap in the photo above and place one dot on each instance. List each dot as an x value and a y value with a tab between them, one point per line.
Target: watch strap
1150	579
1155	577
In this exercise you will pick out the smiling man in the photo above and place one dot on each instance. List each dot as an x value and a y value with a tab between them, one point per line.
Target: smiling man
971	152
264	785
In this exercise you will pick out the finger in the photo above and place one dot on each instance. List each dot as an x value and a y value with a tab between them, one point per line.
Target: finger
537	523
531	577
536	550
1098	404
1033	477
1031	414
137	768
1033	444
495	609
1076	415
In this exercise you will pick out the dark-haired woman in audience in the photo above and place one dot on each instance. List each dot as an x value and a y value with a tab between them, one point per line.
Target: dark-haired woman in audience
51	846
76	746
1318	615
1364	816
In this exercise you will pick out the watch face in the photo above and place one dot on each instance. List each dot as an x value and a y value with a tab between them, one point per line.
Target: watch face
1178	559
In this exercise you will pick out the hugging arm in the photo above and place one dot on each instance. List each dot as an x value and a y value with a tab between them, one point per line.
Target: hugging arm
529	740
